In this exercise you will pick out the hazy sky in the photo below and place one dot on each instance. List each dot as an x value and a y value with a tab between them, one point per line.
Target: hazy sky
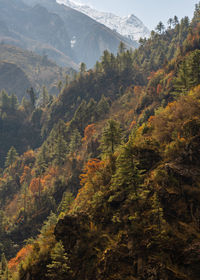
149	11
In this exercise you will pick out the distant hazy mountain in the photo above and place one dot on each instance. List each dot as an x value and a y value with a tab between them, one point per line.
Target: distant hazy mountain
36	29
130	26
21	69
66	35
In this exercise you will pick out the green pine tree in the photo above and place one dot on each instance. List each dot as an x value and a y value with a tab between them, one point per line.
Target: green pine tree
11	156
4	273
42	160
45	97
160	27
32	97
59	268
127	174
66	202
60	145
111	137
82	68
122	47
75	141
4	101
14	102
102	107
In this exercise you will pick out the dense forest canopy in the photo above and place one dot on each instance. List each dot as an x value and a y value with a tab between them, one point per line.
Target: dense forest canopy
102	182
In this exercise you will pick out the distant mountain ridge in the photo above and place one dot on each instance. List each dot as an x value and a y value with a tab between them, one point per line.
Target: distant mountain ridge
129	26
64	34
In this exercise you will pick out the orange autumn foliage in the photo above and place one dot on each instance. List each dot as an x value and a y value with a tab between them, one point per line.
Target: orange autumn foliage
46	181
12	207
92	166
151	76
91	181
130	114
173	117
193	38
28	158
159	89
28	155
21	255
35	185
89	132
151	118
133	123
26	174
137	90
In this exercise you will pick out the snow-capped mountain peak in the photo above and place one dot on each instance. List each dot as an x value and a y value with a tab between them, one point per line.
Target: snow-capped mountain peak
130	26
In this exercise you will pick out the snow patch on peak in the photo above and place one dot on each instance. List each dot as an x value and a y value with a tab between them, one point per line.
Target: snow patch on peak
130	26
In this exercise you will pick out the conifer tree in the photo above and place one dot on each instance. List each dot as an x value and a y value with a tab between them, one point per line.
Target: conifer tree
60	148
4	274
45	97
50	222
66	202
196	17
82	68
13	102
1	223
193	65
59	85
59	268
98	67
102	107
11	156
25	104
175	21
42	161
75	141
32	97
4	101
127	174
111	137
67	80
122	47
106	61
189	72
160	27
169	22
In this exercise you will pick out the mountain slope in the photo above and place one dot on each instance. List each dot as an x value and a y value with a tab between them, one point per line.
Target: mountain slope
136	215
21	69
130	26
29	28
126	135
13	79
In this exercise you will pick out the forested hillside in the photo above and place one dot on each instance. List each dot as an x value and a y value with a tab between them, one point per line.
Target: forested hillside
20	70
112	190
